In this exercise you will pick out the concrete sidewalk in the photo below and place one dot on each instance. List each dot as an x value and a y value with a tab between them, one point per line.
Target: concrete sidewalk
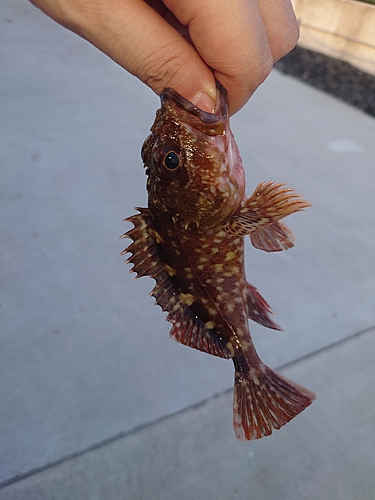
96	402
326	453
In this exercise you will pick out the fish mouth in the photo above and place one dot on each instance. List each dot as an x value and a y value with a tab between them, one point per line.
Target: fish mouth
209	123
232	187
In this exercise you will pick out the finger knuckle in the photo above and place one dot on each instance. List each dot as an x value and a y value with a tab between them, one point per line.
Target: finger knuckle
161	69
286	37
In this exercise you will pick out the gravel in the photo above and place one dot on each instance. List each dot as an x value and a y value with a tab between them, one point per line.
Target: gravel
331	75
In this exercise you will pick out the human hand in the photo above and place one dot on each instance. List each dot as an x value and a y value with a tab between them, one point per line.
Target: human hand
235	42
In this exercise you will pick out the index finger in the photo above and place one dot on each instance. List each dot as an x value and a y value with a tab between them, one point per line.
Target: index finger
231	39
239	40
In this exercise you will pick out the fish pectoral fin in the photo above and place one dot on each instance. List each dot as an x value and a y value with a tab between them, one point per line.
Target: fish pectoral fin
189	330
258	308
264	400
259	216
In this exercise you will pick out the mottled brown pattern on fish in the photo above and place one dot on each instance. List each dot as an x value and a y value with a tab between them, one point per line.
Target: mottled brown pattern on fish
191	241
213	273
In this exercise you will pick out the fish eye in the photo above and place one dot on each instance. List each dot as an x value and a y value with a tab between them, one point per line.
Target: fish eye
171	161
167	160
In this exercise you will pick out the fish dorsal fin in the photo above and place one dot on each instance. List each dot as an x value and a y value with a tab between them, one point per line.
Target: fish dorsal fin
187	328
258	308
260	216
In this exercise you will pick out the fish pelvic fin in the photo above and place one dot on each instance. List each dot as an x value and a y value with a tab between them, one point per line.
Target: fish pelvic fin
264	401
258	308
273	238
259	216
187	328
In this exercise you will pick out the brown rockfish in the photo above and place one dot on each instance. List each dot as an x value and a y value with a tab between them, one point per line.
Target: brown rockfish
190	239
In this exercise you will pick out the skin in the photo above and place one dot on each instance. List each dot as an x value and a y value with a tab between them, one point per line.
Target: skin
186	44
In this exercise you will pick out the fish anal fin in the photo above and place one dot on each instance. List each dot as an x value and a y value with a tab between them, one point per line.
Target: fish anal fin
264	401
269	203
189	330
273	238
258	308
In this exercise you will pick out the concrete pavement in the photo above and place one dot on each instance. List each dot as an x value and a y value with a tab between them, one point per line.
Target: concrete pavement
326	453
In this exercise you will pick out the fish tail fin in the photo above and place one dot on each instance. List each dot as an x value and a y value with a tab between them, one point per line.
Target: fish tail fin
265	400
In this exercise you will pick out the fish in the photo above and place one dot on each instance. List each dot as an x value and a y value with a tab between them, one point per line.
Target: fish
190	240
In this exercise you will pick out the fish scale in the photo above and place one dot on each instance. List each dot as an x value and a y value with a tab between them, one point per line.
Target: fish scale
190	239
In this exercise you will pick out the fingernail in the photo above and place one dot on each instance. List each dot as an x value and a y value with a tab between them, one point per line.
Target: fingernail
204	101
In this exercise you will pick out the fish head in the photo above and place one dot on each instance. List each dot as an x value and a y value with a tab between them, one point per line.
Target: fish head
194	168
